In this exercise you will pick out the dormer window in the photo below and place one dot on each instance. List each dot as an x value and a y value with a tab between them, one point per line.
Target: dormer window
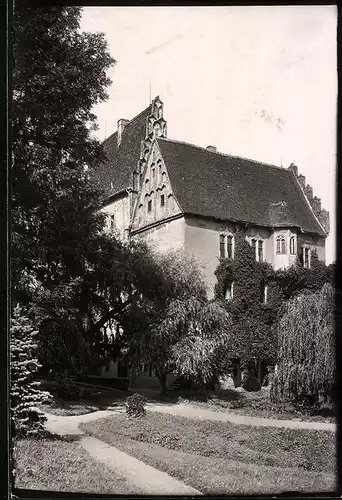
149	206
292	245
281	244
226	246
162	200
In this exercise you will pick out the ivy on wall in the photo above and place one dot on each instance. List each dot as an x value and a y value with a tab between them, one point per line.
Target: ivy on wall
254	319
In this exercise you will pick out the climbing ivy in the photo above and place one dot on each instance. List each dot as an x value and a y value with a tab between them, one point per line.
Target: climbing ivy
254	320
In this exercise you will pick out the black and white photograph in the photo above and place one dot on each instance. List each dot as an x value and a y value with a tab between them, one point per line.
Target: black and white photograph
172	250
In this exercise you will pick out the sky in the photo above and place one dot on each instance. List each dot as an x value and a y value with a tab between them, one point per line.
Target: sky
257	82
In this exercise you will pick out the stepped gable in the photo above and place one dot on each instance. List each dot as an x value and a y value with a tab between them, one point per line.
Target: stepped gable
315	202
127	149
225	187
115	175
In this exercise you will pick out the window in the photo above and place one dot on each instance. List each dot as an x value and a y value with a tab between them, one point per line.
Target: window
263	293
153	172
281	244
229	291
226	246
257	248
253	245
112	222
306	257
162	200
149	206
292	245
260	251
222	246
230	247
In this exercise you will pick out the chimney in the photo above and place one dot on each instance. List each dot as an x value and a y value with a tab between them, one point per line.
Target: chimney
212	148
121	126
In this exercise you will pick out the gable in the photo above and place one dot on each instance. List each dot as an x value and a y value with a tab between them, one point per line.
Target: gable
225	187
115	175
156	200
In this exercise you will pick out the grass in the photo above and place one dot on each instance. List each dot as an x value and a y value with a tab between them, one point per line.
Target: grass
217	457
254	404
91	399
58	465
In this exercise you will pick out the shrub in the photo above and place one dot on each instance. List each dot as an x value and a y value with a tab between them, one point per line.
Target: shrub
66	388
135	405
251	384
306	339
26	395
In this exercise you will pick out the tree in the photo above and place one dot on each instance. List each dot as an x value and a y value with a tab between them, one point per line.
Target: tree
161	281
306	342
25	392
59	74
196	331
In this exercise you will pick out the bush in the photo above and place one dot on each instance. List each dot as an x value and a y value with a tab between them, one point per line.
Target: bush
135	405
306	339
26	395
66	388
251	384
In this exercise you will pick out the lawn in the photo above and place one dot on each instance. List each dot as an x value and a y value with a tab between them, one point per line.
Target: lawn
57	465
91	399
254	404
223	458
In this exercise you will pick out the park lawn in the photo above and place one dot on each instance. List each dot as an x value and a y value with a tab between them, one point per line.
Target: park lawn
224	458
91	399
253	404
57	465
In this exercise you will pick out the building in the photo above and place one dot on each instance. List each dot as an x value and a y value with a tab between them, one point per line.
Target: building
184	196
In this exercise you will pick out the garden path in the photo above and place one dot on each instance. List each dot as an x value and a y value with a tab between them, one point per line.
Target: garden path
189	411
143	478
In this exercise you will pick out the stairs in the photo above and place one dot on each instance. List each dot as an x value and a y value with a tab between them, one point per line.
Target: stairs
177	384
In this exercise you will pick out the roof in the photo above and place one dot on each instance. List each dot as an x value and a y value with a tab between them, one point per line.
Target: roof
226	187
122	160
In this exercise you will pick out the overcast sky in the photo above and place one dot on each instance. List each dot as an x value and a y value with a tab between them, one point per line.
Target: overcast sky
258	82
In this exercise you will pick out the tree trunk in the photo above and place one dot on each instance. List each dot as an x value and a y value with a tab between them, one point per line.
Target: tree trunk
162	379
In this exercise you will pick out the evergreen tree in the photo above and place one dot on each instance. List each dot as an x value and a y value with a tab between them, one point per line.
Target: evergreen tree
26	395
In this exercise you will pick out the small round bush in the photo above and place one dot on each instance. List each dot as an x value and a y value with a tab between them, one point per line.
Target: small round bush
135	405
251	384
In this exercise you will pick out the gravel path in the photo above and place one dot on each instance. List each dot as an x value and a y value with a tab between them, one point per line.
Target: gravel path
189	411
146	479
142	478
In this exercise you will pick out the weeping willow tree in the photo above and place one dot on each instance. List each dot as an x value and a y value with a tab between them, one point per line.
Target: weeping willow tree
306	340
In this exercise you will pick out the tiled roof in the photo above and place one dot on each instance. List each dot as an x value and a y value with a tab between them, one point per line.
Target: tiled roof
122	160
225	187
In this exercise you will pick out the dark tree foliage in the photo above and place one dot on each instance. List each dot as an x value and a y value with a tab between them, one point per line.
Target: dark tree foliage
59	74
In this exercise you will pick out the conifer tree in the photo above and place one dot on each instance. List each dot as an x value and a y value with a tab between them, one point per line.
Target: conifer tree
26	395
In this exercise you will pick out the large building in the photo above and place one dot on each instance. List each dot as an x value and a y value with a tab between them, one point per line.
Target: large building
184	196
